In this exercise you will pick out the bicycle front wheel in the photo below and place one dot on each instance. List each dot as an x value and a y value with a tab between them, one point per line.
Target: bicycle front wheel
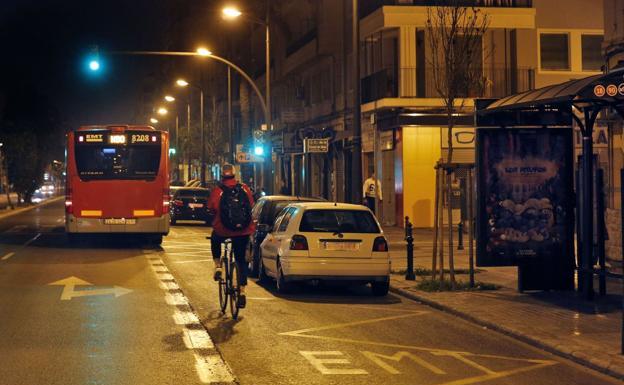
223	291
235	290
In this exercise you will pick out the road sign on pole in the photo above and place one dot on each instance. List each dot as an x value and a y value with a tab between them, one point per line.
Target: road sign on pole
315	145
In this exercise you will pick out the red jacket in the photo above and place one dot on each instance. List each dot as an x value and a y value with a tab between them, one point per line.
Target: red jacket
214	206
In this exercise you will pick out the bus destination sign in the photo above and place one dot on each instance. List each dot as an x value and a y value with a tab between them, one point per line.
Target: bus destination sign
93	138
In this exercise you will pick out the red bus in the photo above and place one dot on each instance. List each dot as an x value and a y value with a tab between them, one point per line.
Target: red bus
117	181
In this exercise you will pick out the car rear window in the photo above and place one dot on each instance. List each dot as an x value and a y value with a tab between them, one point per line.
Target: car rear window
338	221
192	193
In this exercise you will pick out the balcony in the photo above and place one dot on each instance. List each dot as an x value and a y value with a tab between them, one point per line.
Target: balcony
497	83
369	6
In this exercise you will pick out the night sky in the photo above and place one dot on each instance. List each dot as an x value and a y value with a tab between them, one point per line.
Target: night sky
45	44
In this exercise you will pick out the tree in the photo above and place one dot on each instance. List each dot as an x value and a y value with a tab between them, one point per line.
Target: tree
455	35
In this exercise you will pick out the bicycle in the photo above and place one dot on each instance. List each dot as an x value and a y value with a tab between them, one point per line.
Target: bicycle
229	284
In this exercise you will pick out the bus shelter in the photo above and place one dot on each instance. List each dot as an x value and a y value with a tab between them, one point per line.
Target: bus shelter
525	180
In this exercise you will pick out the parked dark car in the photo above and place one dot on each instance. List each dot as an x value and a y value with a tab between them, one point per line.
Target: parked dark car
190	203
263	214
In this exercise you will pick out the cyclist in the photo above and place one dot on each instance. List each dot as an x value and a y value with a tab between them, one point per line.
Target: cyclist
231	203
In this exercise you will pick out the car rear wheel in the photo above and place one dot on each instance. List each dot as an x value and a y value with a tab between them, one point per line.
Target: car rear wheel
262	275
380	288
283	287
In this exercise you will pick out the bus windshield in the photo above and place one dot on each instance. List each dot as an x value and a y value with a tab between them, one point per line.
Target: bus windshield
118	162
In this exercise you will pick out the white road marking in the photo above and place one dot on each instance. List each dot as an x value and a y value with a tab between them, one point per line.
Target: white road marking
176	299
195	260
165	277
212	369
320	363
70	283
197	339
169	286
185	318
9	255
262	298
32	239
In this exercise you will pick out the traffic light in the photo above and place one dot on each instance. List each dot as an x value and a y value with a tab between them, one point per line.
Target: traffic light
94	64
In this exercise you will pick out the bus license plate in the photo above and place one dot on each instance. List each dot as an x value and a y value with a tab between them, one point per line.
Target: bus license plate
345	246
119	221
196	205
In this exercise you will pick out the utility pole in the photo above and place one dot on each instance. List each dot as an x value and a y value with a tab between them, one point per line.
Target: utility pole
356	166
230	134
267	181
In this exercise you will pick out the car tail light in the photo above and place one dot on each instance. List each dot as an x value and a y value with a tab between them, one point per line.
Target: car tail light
380	244
178	202
298	242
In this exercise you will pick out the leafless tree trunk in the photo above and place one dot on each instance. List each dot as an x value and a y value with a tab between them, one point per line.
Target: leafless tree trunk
455	37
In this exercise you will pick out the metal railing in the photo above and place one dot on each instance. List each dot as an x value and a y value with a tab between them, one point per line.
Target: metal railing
369	6
419	83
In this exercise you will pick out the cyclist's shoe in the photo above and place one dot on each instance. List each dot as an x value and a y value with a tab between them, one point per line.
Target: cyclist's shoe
217	274
242	301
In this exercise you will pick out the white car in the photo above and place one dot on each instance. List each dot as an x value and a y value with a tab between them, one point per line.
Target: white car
326	241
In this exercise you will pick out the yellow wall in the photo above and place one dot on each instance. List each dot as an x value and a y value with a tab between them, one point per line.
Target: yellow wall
421	150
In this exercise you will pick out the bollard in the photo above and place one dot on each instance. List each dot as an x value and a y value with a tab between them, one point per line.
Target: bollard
409	274
460	235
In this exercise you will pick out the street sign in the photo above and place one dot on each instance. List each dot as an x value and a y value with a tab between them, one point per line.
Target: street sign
315	145
248	157
70	292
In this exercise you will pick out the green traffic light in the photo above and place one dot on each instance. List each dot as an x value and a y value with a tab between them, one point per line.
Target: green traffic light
94	65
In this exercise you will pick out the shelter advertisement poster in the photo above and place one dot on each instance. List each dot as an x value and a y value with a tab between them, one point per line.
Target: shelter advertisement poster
525	194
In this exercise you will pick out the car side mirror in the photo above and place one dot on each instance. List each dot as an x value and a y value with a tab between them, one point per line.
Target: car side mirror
264	228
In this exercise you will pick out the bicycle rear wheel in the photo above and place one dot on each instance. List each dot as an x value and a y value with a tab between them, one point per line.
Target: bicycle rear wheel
223	289
235	290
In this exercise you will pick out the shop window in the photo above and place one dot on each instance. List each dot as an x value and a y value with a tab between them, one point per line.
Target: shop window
555	51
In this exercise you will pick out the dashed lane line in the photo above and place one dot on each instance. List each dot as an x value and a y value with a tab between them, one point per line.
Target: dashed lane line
7	256
209	365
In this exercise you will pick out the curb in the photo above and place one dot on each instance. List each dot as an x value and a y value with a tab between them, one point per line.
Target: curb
575	356
10	213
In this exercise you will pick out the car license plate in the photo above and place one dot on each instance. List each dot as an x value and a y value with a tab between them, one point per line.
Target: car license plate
342	246
119	221
196	205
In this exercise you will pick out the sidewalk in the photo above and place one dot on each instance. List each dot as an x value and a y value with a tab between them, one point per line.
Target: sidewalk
4	203
587	332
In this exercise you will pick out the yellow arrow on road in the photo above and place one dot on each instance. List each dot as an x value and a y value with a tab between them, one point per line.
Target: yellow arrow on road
70	283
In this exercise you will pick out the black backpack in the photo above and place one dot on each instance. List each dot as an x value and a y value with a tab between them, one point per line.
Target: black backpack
234	208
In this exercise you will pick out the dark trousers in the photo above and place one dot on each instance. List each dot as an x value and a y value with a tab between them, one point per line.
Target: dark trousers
239	248
370	203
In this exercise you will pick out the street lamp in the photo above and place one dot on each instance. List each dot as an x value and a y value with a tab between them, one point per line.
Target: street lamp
231	13
162	111
169	98
184	83
153	120
203	52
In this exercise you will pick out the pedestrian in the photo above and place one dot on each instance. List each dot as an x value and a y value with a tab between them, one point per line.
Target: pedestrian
284	189
231	203
371	191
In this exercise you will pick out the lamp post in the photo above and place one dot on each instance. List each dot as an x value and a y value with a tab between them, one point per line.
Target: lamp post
356	167
171	99
184	83
231	13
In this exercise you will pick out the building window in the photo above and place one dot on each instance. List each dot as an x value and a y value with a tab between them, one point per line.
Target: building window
555	51
592	52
